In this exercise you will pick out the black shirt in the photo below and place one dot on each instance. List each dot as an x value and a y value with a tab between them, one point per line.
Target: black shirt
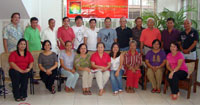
123	36
188	39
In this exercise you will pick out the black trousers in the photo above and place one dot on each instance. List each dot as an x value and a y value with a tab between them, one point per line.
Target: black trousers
48	79
19	83
179	75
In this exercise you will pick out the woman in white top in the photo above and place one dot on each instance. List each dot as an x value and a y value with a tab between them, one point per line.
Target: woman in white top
116	68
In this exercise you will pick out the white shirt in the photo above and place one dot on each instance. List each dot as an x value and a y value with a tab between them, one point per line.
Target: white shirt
91	36
50	35
115	63
79	35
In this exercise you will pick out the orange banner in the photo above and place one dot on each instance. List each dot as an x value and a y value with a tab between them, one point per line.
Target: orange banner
97	8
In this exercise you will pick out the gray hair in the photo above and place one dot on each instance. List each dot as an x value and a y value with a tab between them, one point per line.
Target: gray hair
189	20
132	41
123	18
151	19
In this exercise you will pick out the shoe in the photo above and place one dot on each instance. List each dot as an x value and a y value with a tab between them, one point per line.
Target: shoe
115	93
120	91
36	81
153	90
174	97
158	91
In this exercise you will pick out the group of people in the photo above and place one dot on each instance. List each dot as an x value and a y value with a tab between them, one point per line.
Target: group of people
70	46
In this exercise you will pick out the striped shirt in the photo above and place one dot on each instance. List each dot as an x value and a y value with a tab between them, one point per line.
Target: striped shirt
131	60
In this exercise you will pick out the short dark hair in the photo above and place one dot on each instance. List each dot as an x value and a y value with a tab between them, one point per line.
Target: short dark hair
43	44
138	18
16	13
78	17
65	18
50	20
79	47
156	40
33	19
112	53
176	44
93	20
100	43
170	19
67	42
107	18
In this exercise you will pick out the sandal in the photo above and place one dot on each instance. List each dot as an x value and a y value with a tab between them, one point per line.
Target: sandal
158	91
89	92
153	90
100	92
23	99
67	89
18	100
85	93
53	90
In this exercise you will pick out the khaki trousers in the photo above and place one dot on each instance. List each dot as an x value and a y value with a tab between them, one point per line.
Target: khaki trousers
87	79
155	77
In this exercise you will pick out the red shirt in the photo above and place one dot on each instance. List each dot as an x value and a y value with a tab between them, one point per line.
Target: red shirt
65	35
149	35
21	61
131	60
100	61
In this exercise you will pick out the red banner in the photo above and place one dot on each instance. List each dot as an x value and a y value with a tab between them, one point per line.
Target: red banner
97	8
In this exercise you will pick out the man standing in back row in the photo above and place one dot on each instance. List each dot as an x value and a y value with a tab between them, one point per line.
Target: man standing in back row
136	32
79	30
12	33
50	34
107	35
148	35
32	35
124	35
188	40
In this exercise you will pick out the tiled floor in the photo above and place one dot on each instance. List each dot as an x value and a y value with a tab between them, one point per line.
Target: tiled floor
140	97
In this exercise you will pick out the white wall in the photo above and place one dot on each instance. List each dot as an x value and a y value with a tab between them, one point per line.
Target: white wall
45	9
42	9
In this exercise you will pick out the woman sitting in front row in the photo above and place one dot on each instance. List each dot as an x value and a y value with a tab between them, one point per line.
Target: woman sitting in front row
67	64
155	60
21	62
48	63
132	63
82	63
116	72
178	69
100	62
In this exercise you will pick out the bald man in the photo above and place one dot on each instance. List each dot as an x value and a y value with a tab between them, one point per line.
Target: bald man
188	40
124	34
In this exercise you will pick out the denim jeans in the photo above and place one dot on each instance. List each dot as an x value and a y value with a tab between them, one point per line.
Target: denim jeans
71	78
116	81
